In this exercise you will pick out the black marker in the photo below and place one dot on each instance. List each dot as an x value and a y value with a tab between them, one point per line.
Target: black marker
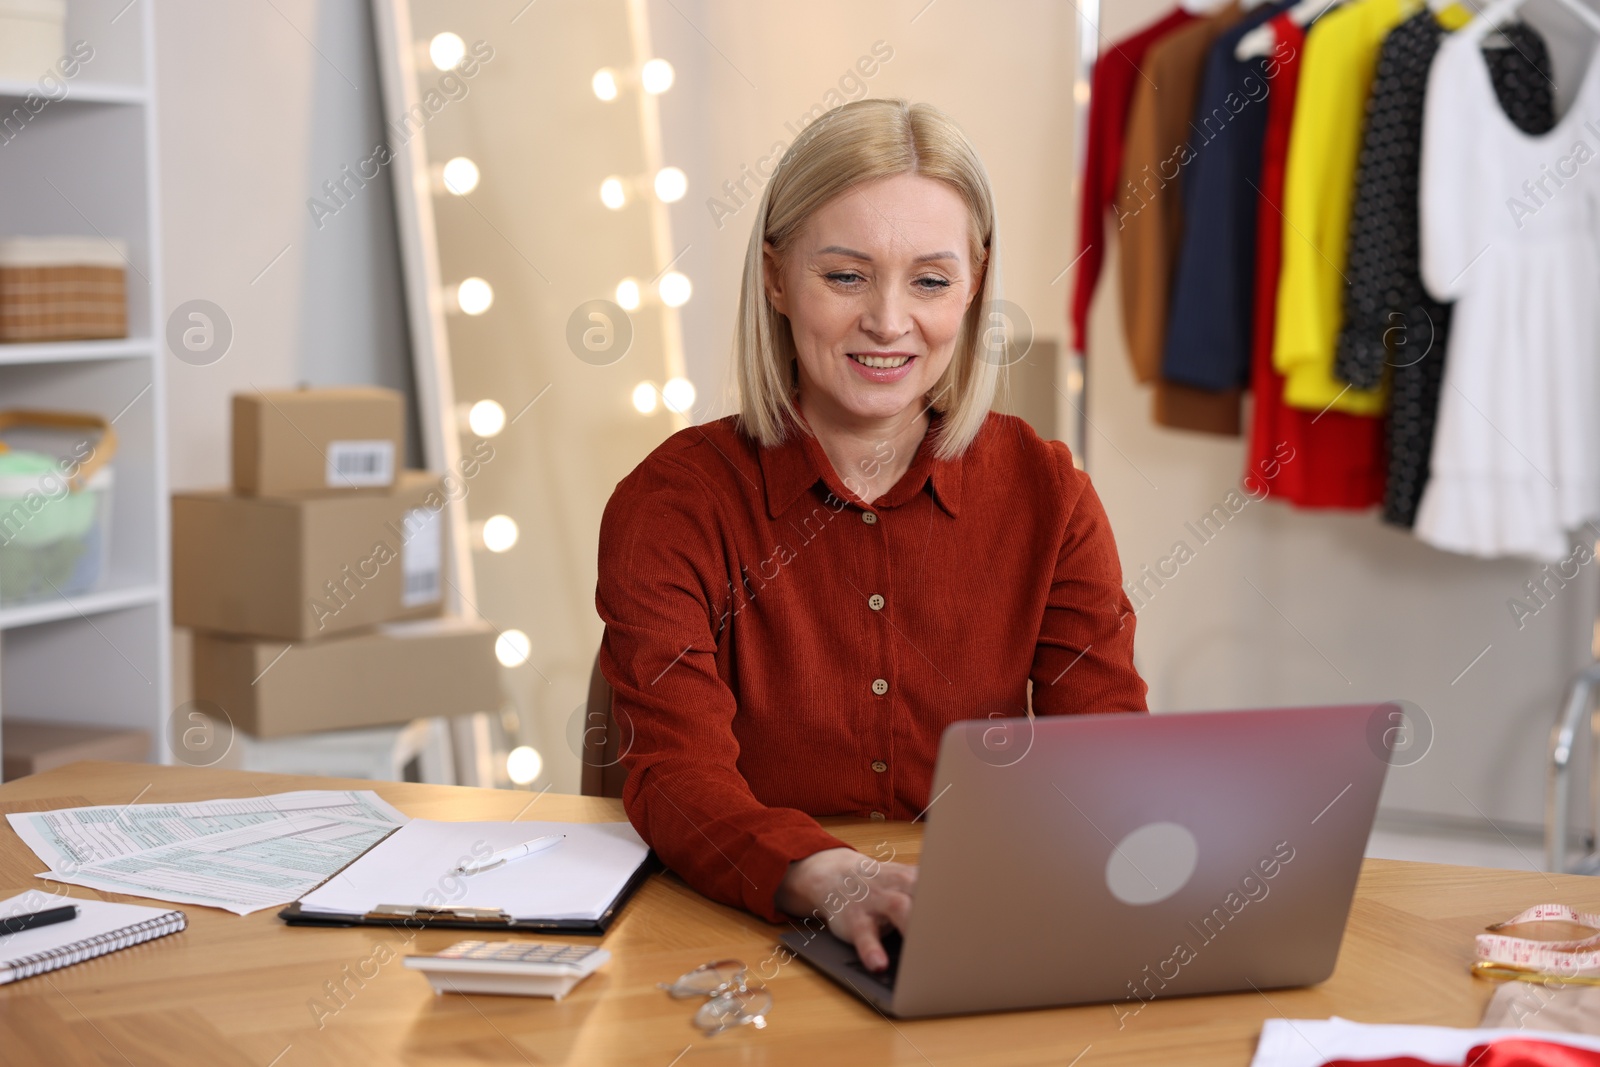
18	923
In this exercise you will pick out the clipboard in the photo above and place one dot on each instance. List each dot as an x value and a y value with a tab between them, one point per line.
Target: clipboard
449	918
359	902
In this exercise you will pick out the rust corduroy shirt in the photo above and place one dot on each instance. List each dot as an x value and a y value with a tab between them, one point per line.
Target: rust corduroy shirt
780	651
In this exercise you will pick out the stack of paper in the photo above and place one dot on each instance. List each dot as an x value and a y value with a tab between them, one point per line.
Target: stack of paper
578	879
240	854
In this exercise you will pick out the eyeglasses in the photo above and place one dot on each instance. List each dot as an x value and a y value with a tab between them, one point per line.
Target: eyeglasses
731	1002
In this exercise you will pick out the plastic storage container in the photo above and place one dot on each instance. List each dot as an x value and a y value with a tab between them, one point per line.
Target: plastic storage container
55	504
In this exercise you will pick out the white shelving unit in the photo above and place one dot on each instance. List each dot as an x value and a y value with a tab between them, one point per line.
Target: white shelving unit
85	164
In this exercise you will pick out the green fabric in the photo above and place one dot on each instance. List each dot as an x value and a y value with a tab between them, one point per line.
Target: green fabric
47	513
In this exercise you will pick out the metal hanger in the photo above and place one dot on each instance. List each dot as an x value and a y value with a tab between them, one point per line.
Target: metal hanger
1258	43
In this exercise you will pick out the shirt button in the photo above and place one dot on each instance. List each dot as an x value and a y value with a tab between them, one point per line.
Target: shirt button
879	766
879	686
878	816
875	602
869	517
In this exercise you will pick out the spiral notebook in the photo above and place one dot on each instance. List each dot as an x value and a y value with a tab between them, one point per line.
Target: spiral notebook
100	927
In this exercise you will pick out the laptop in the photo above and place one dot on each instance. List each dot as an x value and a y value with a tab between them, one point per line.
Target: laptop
1123	858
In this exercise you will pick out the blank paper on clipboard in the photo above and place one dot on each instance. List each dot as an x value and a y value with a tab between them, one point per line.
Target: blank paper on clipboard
577	879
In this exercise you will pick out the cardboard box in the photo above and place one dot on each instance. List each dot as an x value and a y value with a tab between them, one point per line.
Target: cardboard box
33	746
295	441
296	568
396	673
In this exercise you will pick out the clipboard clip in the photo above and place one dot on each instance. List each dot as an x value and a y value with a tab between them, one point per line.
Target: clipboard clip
487	916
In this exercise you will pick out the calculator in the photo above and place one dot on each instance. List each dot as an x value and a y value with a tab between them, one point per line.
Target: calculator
513	968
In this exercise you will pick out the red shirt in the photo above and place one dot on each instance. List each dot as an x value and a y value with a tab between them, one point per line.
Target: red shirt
1334	459
1110	92
780	651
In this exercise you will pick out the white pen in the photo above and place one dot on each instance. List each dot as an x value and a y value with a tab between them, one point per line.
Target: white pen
506	855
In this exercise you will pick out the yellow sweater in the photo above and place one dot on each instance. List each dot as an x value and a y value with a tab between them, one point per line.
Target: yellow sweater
1341	53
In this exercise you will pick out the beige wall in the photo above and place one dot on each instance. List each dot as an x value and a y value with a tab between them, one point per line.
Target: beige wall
258	104
1341	607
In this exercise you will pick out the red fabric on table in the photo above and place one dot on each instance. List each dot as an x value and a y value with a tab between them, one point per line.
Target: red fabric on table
740	587
1336	460
1110	92
1508	1052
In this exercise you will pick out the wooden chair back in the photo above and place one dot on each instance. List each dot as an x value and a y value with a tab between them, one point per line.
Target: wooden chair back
603	772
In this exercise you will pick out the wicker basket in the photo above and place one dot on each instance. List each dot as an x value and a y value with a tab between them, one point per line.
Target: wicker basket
62	289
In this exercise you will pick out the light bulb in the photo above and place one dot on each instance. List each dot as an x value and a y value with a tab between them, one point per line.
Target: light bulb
460	175
486	418
656	76
605	84
499	533
678	394
674	289
512	648
671	184
628	294
474	296
524	765
446	50
612	193
644	398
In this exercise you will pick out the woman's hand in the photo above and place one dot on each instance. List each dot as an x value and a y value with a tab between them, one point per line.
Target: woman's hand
856	895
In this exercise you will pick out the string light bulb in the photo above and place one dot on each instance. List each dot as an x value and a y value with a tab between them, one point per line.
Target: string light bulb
460	175
644	398
604	84
678	394
656	76
486	418
524	765
613	194
675	289
628	294
499	533
671	183
474	296
446	50
512	648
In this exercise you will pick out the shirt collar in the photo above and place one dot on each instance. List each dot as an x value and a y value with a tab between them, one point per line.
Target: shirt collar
798	463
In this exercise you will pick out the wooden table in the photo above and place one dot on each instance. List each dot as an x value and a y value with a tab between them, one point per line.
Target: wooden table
231	990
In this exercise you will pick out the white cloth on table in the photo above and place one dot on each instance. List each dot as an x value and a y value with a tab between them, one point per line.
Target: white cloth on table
1312	1042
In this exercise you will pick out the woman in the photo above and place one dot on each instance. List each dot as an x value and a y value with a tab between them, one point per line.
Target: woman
799	599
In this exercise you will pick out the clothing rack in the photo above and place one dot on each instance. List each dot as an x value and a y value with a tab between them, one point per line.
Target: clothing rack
1566	730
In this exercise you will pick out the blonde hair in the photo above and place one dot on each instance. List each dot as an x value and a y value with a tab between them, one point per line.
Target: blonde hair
857	142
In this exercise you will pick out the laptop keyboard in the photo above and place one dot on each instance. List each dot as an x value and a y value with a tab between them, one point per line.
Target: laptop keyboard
891	945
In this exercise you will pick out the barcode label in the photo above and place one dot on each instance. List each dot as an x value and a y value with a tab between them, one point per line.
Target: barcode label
422	557
360	464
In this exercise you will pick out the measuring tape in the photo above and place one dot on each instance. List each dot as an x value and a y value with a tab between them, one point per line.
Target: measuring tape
1576	961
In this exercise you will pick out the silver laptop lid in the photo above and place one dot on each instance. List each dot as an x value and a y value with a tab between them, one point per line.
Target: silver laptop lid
1119	858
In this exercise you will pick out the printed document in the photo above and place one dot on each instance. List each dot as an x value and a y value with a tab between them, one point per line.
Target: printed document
242	870
241	854
72	837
